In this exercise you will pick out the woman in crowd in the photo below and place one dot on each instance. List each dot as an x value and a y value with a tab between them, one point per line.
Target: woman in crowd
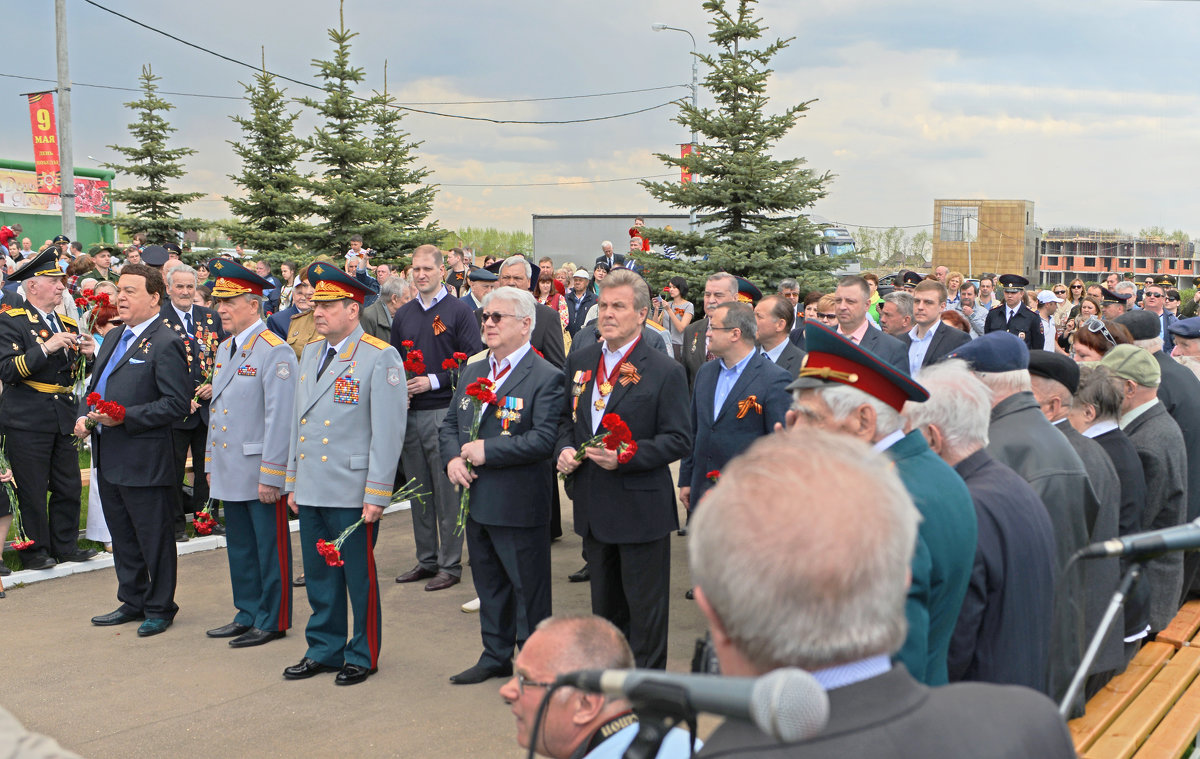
1064	308
1086	308
1075	294
203	296
547	295
599	273
106	321
287	276
1172	304
1095	337
954	281
953	318
826	310
675	314
810	306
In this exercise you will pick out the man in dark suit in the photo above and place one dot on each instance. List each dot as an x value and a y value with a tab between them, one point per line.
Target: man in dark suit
738	398
765	616
1014	316
580	299
625	511
852	300
201	331
1002	634
145	370
719	288
39	350
1160	446
482	282
608	258
547	336
774	315
929	340
1055	379
1095	411
1179	391
509	473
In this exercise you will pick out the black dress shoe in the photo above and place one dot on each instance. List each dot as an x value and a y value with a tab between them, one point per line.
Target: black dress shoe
41	561
352	674
480	673
80	554
231	630
582	575
681	532
117	617
256	637
298	582
153	627
218	529
442	580
306	669
416	573
690	595
4	570
181	537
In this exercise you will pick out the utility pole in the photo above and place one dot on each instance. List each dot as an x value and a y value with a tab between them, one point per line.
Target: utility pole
659	27
66	155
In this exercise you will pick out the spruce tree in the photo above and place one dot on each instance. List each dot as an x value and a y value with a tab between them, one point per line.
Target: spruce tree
749	202
150	207
394	184
272	217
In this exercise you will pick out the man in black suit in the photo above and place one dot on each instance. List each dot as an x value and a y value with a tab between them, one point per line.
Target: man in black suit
1014	316
608	258
201	332
509	473
39	350
718	288
547	336
625	511
929	340
783	614
145	370
852	300
739	397
775	316
482	282
1094	412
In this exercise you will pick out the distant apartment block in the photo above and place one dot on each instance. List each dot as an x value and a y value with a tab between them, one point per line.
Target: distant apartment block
976	236
1090	254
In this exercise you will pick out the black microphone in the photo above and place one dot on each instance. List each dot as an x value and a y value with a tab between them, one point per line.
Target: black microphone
1184	537
787	704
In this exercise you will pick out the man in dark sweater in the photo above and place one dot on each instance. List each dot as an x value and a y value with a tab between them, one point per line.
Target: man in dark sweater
438	325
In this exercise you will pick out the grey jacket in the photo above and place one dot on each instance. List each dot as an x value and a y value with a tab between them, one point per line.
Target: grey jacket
348	425
250	416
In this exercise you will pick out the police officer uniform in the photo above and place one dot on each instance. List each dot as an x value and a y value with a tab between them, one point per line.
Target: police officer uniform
254	388
347	435
37	416
1020	321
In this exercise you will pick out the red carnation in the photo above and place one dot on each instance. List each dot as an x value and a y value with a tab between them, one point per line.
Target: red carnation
626	452
460	356
93	399
714	475
406	343
449	364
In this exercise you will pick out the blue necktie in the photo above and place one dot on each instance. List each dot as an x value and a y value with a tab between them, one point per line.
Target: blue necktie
188	316
122	346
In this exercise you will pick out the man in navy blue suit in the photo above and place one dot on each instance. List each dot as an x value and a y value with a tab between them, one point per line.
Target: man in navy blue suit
738	399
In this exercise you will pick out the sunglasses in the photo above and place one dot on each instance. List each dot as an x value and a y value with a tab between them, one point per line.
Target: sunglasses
826	317
1153	295
495	316
1094	324
1076	287
1060	292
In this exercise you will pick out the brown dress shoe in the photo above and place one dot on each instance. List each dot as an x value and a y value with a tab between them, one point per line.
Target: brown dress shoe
416	573
441	581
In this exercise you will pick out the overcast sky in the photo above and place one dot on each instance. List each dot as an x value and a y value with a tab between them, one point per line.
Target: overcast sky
1088	108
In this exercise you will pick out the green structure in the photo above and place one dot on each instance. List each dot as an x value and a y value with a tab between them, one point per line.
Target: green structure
40	215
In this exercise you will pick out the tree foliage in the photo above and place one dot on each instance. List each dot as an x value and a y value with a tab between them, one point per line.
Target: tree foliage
892	248
488	241
749	204
273	215
150	207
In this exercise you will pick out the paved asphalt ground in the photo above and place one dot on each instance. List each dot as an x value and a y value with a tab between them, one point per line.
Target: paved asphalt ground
104	692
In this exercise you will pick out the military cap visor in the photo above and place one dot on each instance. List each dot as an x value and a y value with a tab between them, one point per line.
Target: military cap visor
43	264
331	283
832	358
233	279
1108	297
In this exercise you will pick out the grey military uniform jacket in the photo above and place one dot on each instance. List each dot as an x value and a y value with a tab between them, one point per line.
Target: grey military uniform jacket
348	425
250	415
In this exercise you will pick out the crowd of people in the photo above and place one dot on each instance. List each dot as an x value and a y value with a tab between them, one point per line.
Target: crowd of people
885	490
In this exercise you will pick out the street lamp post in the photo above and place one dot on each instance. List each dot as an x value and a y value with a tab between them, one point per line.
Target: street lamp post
695	97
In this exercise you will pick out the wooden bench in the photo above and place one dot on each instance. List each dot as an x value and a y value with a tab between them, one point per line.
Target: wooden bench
1152	709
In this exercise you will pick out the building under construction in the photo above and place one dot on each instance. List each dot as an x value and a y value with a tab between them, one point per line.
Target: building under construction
1090	254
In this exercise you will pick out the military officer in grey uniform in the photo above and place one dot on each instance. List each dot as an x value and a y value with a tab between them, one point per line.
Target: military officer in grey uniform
347	434
254	390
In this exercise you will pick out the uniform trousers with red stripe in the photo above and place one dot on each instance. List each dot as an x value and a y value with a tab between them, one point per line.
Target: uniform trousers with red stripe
328	588
259	547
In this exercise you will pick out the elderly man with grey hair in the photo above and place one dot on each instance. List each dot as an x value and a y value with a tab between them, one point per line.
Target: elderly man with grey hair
1003	631
896	313
201	331
376	319
833	602
845	388
1021	437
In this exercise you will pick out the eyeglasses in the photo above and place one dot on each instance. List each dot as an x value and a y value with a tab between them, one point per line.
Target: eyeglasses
496	316
711	328
826	317
522	681
1076	287
1060	292
1153	295
1094	324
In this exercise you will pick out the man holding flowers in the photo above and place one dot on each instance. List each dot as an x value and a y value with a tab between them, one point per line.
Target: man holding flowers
625	505
500	453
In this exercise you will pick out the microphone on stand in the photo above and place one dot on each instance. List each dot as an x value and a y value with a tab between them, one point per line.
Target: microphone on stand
1184	537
